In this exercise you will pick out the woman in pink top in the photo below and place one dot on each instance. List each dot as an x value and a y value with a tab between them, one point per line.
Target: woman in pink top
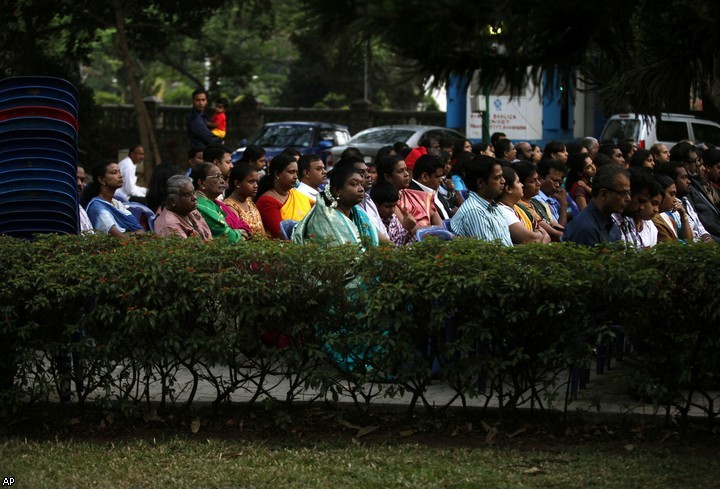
179	216
417	203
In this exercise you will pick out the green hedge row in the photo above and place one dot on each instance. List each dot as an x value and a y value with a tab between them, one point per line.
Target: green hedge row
488	320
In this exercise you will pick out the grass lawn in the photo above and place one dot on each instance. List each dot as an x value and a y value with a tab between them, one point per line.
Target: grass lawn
181	462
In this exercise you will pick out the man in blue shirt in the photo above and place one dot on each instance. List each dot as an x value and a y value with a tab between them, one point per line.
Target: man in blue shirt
551	173
610	194
479	216
197	129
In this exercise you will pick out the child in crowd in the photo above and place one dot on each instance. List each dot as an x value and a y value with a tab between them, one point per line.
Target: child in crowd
218	122
385	196
373	173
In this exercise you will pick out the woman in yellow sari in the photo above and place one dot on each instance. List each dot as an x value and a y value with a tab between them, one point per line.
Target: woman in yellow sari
522	229
278	199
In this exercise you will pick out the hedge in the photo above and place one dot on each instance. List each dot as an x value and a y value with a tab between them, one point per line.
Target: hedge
489	321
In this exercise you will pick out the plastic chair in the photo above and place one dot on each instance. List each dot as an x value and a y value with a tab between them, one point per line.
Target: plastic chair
39	184
51	213
62	173
39	164
39	86
38	100
51	199
151	222
38	123
287	227
142	213
38	226
37	143
573	206
438	232
39	111
41	136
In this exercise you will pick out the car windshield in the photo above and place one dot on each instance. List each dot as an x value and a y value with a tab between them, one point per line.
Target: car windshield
381	136
621	129
284	136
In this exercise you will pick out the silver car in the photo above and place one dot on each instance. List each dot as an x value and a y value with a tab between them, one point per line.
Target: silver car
371	140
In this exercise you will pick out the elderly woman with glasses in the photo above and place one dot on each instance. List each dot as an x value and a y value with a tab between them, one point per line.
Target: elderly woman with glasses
209	185
179	216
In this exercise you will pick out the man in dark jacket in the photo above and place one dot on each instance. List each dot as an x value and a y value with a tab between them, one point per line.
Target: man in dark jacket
197	128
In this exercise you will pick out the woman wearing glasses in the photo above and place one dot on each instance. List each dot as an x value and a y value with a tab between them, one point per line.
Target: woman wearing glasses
209	185
179	215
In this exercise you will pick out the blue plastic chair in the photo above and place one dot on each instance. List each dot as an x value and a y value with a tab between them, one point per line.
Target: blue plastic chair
21	202
48	196
39	86
40	100
41	137
440	233
142	213
11	153
35	123
39	184
37	165
287	227
61	173
574	210
37	143
38	226
62	214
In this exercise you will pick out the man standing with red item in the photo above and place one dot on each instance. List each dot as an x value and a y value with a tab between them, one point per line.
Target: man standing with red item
197	125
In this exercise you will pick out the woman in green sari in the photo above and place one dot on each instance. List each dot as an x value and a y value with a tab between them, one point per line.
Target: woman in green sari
336	218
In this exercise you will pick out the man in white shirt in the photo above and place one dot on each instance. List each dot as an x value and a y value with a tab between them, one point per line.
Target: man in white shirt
312	174
128	169
427	176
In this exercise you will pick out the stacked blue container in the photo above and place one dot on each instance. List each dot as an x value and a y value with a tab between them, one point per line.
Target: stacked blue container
38	156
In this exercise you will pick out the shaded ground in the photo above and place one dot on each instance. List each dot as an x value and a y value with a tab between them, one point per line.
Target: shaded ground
306	426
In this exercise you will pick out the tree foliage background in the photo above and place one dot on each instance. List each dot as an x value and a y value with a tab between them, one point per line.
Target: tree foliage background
641	55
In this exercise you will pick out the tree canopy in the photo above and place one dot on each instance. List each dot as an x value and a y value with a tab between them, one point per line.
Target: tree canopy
641	55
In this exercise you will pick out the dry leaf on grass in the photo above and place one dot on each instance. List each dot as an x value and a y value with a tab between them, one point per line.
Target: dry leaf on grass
347	424
490	437
366	431
666	436
517	432
533	471
406	433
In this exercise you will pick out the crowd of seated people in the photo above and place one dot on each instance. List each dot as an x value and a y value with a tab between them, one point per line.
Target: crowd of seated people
587	192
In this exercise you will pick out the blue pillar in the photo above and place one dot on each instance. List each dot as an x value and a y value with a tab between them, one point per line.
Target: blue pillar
558	107
456	115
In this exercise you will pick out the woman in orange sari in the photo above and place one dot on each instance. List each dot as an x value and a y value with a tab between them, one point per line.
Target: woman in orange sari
417	203
278	199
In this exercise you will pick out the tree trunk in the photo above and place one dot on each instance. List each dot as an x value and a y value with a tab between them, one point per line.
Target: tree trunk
146	129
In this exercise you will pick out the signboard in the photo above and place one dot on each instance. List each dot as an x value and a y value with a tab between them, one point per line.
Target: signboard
519	118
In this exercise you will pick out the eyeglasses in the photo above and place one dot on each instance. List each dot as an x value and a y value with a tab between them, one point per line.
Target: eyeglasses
218	176
622	193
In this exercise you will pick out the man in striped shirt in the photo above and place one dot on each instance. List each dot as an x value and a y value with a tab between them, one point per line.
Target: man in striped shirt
479	216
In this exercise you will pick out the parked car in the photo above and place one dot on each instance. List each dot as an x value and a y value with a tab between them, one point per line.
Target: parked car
371	140
306	137
668	130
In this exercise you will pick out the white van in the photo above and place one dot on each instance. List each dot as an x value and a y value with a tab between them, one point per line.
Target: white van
669	130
